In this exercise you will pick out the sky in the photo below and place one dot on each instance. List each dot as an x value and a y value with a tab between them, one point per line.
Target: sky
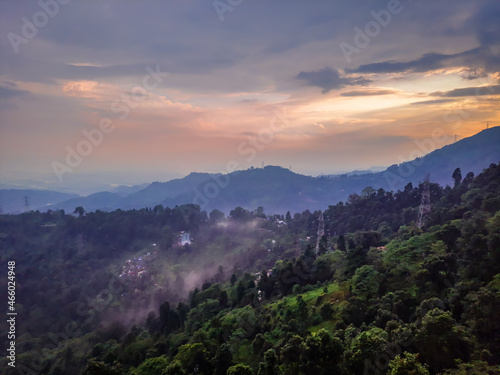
95	94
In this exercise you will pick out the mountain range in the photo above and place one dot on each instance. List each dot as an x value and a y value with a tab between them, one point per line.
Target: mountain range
275	188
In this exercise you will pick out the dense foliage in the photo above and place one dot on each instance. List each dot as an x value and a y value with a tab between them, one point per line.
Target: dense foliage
258	294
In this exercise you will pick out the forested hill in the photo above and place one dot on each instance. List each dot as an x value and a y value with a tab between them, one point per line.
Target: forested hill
119	293
280	190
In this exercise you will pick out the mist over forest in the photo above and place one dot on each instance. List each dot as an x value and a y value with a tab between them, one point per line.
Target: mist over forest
236	187
367	285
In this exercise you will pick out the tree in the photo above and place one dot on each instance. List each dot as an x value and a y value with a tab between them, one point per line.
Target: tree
323	245
240	214
169	320
233	279
258	344
158	209
239	369
153	366
407	365
326	311
368	192
240	292
449	234
301	309
265	284
291	355
269	366
95	367
182	312
468	179
364	350
354	259
457	177
223	299
474	368
321	354
222	360
175	368
341	243
193	298
484	315
259	212
440	341
216	215
193	357
79	210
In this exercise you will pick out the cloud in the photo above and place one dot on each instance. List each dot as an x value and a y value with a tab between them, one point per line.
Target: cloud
7	93
473	73
248	101
368	92
329	79
429	61
435	101
485	22
79	88
476	61
226	78
470	91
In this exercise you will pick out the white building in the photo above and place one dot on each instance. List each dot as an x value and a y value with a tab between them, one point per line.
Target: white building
185	238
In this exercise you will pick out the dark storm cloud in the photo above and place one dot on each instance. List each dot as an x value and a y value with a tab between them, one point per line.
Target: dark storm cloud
470	91
329	79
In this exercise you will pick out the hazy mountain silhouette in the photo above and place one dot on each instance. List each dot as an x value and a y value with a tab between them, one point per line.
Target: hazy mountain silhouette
125	190
14	200
104	201
279	190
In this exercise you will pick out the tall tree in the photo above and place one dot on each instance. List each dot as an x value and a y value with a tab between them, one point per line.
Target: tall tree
341	243
222	360
457	176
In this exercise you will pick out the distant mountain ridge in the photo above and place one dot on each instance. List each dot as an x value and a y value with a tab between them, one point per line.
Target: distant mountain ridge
279	190
18	200
104	201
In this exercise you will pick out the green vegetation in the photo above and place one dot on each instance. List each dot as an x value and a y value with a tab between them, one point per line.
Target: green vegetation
250	295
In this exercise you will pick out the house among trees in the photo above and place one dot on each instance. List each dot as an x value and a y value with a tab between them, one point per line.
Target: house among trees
185	238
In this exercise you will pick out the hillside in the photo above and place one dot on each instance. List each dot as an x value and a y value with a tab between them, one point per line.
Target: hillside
115	292
156	192
279	190
471	154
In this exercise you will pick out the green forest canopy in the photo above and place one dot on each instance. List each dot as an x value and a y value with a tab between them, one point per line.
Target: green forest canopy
258	294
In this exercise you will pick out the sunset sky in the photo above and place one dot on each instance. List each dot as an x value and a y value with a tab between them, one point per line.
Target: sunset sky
323	87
